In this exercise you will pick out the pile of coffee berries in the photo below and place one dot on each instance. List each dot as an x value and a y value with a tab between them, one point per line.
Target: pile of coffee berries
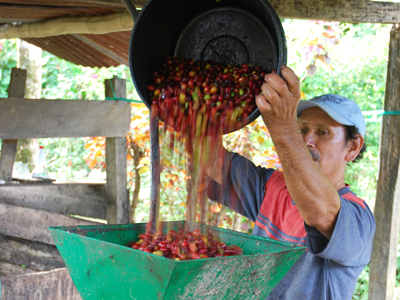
191	96
183	246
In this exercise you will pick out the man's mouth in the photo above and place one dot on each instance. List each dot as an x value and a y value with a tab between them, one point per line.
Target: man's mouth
314	156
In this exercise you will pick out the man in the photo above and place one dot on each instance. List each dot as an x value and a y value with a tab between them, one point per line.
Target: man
308	203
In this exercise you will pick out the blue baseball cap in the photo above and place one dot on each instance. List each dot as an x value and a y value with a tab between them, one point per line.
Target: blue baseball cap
341	109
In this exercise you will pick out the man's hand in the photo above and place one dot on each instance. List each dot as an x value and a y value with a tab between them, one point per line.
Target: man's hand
279	98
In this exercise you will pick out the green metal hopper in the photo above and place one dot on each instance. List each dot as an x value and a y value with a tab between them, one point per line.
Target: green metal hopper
102	267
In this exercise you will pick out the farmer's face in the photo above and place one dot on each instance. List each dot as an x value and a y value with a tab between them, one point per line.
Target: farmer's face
326	140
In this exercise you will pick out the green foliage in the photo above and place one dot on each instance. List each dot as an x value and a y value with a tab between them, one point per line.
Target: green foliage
8	60
65	80
65	158
359	66
361	290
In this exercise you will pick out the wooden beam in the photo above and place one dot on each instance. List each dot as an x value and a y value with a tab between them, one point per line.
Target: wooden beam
24	119
387	207
9	146
31	224
77	199
33	255
352	11
54	285
117	194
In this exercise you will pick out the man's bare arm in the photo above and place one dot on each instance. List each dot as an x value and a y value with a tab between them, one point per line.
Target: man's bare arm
316	198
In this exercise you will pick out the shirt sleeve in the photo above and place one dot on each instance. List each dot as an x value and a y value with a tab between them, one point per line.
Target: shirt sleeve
351	240
243	185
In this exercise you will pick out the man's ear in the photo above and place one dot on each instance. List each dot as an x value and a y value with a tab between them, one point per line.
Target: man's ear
355	146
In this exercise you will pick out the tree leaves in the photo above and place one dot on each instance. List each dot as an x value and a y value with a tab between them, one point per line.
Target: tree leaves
311	70
144	170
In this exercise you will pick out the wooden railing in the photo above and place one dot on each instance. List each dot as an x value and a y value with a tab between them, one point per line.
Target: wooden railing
27	210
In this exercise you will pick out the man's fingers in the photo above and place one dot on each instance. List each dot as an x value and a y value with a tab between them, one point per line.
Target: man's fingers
289	83
277	83
291	79
271	95
263	105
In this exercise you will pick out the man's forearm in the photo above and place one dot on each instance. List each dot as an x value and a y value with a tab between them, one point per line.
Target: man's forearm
316	198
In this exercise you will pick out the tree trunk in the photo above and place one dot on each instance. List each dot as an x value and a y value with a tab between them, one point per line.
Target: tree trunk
30	59
137	155
236	222
218	216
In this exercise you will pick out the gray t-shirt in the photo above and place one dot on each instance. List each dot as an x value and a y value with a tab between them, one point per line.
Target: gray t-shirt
328	269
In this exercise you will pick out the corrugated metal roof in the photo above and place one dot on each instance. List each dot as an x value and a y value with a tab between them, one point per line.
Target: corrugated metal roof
88	50
104	50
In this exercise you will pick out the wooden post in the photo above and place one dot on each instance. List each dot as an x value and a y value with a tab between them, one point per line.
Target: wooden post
117	193
387	208
16	89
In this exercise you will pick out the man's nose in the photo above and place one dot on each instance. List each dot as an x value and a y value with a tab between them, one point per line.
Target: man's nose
309	139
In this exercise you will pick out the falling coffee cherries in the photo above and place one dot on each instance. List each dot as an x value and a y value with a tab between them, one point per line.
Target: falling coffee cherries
204	98
183	246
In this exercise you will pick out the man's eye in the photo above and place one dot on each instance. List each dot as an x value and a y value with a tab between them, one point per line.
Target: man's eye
323	132
303	130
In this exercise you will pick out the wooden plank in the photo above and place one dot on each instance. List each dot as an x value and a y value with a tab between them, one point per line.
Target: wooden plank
7	269
24	119
16	89
31	224
33	255
352	11
51	285
387	206
78	199
7	159
117	194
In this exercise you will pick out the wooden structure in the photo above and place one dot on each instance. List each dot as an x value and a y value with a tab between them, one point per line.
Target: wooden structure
27	210
109	46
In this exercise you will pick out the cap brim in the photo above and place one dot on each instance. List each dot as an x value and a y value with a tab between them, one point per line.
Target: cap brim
304	104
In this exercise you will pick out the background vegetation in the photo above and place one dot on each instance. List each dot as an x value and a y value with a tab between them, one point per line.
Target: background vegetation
345	59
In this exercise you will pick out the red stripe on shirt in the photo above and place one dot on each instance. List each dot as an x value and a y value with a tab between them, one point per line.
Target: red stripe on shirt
278	208
278	234
349	196
265	228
